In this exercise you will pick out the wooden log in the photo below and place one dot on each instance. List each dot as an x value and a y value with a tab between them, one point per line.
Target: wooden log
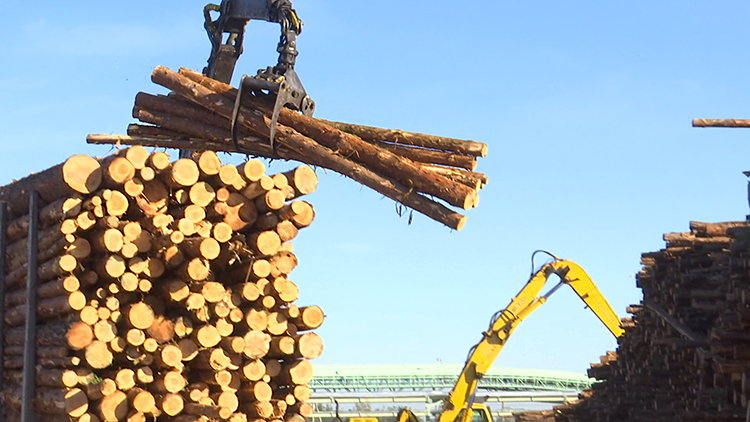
471	179
51	242
301	213
285	290
98	355
286	230
140	315
429	156
162	329
113	407
252	170
258	409
256	320
182	173
48	352
203	247
52	213
57	266
79	173
58	287
264	243
296	372
175	123
721	123
197	269
171	404
271	200
116	203
370	134
344	143
257	344
239	212
386	187
78	336
282	346
118	171
256	391
308	345
310	148
303	181
54	307
311	317
153	199
207	336
282	264
303	409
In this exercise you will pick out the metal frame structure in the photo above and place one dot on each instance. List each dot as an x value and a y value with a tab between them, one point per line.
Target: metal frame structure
376	378
28	391
28	388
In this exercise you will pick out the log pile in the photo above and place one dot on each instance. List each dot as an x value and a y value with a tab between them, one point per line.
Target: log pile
425	173
686	353
163	291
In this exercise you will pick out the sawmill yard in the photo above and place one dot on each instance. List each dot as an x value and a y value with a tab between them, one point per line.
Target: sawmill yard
138	284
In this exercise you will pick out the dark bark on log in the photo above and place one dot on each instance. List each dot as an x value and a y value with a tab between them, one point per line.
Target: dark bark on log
47	335
50	214
369	134
345	144
429	156
420	203
311	148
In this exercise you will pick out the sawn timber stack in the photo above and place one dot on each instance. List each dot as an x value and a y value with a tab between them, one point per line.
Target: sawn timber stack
163	291
419	171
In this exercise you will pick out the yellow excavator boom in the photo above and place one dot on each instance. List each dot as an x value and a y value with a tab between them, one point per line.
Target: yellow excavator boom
460	402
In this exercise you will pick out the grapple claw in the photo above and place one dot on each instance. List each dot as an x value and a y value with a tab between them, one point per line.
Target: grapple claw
288	91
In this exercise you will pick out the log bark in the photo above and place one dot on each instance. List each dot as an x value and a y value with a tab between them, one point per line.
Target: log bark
79	173
54	212
318	157
346	144
312	149
371	134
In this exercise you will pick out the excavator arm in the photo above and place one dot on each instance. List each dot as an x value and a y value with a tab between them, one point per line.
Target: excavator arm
459	404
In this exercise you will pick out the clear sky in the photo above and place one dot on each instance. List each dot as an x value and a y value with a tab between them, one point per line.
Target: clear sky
586	107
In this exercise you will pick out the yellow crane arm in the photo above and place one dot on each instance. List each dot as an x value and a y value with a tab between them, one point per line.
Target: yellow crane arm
458	406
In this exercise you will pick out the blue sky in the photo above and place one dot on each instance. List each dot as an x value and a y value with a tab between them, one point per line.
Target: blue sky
586	107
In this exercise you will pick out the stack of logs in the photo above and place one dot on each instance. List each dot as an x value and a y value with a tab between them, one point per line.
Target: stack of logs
695	367
163	292
413	169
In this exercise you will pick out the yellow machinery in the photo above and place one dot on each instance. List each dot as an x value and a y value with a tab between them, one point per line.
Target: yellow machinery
460	406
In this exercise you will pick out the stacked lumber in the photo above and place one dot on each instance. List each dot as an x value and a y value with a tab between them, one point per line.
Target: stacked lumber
422	172
685	354
163	291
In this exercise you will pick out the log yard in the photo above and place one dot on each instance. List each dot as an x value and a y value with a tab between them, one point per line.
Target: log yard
181	237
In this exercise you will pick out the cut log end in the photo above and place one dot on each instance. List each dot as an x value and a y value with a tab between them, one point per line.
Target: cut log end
82	173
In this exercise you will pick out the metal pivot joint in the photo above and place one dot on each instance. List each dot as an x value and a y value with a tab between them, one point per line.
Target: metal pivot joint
280	81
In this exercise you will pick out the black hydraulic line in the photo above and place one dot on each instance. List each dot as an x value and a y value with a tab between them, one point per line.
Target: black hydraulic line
3	245
29	348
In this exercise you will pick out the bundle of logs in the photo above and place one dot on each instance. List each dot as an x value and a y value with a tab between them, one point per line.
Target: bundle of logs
163	291
419	171
686	353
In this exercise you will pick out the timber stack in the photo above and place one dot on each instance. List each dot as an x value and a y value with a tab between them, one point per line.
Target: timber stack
685	355
426	173
163	291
